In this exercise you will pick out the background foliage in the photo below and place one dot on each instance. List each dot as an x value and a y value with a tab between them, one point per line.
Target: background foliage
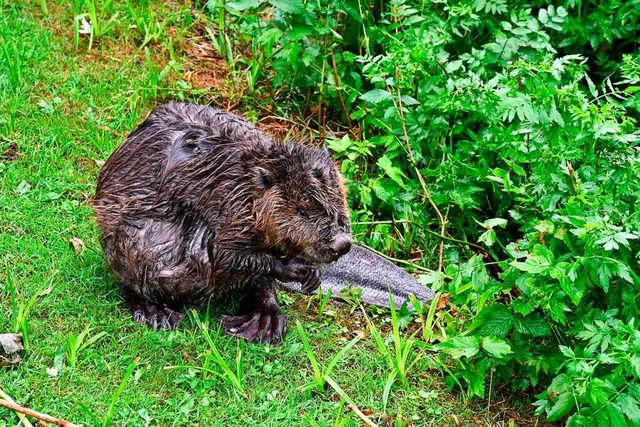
507	125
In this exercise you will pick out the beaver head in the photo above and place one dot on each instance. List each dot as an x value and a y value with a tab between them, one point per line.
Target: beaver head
300	203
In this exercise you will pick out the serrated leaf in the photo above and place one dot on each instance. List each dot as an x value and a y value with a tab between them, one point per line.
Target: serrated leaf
592	87
376	96
496	347
561	407
560	384
475	382
533	325
495	320
488	238
392	172
607	359
382	191
533	265
623	272
544	252
340	145
599	392
460	346
629	406
613	416
295	7
431	278
635	363
623	237
453	66
495	222
567	352
409	100
556	116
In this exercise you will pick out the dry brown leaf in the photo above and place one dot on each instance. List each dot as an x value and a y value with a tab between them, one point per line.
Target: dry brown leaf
443	301
77	244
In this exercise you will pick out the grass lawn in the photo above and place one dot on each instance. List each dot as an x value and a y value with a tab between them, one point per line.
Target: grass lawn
62	112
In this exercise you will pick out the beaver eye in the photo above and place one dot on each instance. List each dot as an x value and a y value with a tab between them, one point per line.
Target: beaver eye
301	212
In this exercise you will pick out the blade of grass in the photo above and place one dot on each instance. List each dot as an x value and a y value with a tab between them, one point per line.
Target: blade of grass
347	399
114	398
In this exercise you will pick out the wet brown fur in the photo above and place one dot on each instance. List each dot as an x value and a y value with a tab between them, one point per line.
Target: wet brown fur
198	204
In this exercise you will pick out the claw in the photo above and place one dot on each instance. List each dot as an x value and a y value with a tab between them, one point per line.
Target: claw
311	282
265	324
158	317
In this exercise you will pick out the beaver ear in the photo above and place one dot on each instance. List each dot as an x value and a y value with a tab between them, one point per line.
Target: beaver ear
263	178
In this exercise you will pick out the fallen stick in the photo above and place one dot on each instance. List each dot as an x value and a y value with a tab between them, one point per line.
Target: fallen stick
22	417
35	414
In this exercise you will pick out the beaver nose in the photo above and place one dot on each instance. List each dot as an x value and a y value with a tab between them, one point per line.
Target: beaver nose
340	246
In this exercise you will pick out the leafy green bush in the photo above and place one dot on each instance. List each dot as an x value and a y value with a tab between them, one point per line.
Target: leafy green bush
510	126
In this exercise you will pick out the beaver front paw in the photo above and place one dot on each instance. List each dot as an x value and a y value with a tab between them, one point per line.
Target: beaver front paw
312	281
296	270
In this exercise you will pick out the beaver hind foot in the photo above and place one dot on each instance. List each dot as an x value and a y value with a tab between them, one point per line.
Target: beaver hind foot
264	323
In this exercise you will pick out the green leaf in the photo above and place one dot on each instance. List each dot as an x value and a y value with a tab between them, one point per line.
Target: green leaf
241	5
560	384
561	407
383	190
532	265
543	252
635	363
475	382
295	7
542	16
495	320
488	238
340	145
533	325
496	347
623	272
598	393
375	96
614	415
495	222
23	188
409	100
460	346
629	406
393	172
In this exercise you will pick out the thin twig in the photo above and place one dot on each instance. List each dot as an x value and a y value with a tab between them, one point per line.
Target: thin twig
335	78
396	260
442	230
426	230
39	415
23	418
423	184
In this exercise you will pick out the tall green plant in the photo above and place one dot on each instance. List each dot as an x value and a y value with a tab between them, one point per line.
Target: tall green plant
499	141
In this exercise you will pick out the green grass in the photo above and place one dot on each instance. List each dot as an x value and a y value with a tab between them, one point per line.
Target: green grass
65	110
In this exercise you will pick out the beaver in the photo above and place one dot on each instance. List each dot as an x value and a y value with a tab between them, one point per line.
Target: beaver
198	205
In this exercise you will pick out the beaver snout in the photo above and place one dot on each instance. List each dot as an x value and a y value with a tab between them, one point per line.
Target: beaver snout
340	246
